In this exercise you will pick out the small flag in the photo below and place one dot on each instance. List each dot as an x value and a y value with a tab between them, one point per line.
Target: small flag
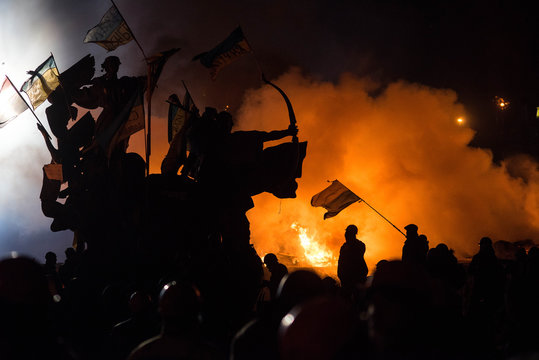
135	121
156	64
178	113
42	82
234	46
334	199
11	103
111	32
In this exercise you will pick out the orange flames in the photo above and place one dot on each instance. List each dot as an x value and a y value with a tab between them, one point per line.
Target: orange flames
317	255
401	151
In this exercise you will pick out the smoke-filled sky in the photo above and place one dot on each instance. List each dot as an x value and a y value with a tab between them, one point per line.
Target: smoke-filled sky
376	85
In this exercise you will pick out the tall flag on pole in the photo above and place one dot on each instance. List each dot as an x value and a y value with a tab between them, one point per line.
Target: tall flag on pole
233	47
111	32
128	121
334	199
42	82
156	64
11	103
178	113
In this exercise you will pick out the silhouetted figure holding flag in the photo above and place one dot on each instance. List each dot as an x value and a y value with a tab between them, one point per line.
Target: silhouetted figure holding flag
116	97
352	269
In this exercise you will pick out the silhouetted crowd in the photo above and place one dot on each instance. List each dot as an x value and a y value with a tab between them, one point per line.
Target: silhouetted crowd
425	306
162	266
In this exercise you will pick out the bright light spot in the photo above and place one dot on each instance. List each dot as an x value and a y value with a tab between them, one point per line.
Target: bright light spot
57	298
288	320
501	103
460	121
316	254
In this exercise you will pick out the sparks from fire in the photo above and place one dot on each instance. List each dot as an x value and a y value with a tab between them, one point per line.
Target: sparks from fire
316	254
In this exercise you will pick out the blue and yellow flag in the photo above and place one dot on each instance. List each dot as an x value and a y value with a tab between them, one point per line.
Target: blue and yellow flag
234	46
111	32
42	82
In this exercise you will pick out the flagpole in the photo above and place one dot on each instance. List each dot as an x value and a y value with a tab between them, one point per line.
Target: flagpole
187	91
128	28
254	56
147	141
28	106
383	217
62	86
149	131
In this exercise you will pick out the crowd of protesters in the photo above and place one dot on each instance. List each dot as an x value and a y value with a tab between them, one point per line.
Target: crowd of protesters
425	306
162	266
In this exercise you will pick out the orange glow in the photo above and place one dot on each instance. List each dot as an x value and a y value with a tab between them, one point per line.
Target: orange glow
400	151
460	121
318	255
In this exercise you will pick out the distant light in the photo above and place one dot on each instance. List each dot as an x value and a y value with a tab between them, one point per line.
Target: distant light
460	120
537	112
501	103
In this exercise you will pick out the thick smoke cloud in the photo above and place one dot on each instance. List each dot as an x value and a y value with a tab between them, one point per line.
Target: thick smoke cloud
401	151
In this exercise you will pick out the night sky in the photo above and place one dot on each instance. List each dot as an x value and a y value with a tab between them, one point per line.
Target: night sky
479	49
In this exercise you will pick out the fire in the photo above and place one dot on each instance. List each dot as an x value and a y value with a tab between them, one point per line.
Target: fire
316	254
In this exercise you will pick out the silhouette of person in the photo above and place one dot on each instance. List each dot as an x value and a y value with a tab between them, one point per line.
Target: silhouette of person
416	247
141	325
109	92
179	307
488	276
51	272
27	331
352	269
277	270
68	270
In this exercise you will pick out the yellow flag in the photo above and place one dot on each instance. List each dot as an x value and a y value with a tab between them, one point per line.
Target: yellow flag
42	82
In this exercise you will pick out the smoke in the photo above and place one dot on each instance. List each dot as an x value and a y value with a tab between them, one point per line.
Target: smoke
403	152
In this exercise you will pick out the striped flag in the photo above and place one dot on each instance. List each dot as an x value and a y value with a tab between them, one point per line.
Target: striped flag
42	82
334	199
11	103
111	32
230	49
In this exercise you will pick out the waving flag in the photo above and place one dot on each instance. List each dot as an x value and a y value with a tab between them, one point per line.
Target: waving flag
233	47
156	64
111	32
11	103
334	199
178	113
42	82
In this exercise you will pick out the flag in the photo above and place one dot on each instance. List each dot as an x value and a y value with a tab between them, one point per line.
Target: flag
234	46
156	64
111	32
11	103
128	121
334	199
42	82
178	113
